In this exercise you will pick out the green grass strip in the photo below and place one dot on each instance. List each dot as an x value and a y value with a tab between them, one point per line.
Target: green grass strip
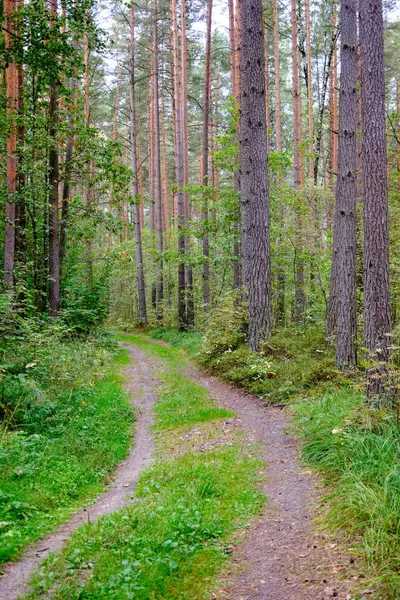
45	478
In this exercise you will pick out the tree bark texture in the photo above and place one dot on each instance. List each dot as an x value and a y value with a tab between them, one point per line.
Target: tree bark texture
254	174
345	209
377	328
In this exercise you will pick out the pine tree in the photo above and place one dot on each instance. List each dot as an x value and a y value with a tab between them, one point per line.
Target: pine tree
377	328
344	256
254	174
141	288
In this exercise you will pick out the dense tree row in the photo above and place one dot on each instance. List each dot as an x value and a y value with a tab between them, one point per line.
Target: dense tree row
182	159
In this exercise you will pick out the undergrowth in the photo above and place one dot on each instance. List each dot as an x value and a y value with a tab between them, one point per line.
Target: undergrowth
293	363
357	451
66	423
172	541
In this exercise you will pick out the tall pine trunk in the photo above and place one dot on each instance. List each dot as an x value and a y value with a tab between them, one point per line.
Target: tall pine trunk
309	90
54	249
141	288
185	157
377	328
297	170
157	169
344	256
11	92
206	183
179	169
234	60
254	174
277	75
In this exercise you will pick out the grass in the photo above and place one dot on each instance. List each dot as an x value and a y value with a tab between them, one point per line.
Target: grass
67	443
357	451
189	341
172	541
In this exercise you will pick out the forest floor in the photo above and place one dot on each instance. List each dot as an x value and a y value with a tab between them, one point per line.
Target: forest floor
223	508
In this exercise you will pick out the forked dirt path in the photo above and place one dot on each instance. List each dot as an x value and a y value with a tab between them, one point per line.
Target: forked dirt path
142	385
282	557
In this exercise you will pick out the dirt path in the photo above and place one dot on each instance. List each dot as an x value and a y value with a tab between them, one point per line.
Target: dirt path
282	557
141	384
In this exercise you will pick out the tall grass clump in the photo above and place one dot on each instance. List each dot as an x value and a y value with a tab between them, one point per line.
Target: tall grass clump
357	450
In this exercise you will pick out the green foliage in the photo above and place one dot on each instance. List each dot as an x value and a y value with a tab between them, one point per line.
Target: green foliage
227	327
66	424
358	452
172	541
294	362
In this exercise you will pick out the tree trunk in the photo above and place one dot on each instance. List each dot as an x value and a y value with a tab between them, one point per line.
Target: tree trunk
157	169
206	183
278	121
185	152
321	110
141	288
309	91
11	92
377	329
164	171
54	249
267	104
20	214
234	59
254	174
179	168
299	276
345	209
280	276
90	167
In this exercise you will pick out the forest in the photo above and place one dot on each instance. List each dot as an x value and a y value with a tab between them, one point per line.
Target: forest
199	299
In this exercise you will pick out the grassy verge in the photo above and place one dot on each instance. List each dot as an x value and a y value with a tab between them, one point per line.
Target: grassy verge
74	426
172	541
355	449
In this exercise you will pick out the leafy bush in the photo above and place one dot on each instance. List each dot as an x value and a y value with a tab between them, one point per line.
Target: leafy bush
227	326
